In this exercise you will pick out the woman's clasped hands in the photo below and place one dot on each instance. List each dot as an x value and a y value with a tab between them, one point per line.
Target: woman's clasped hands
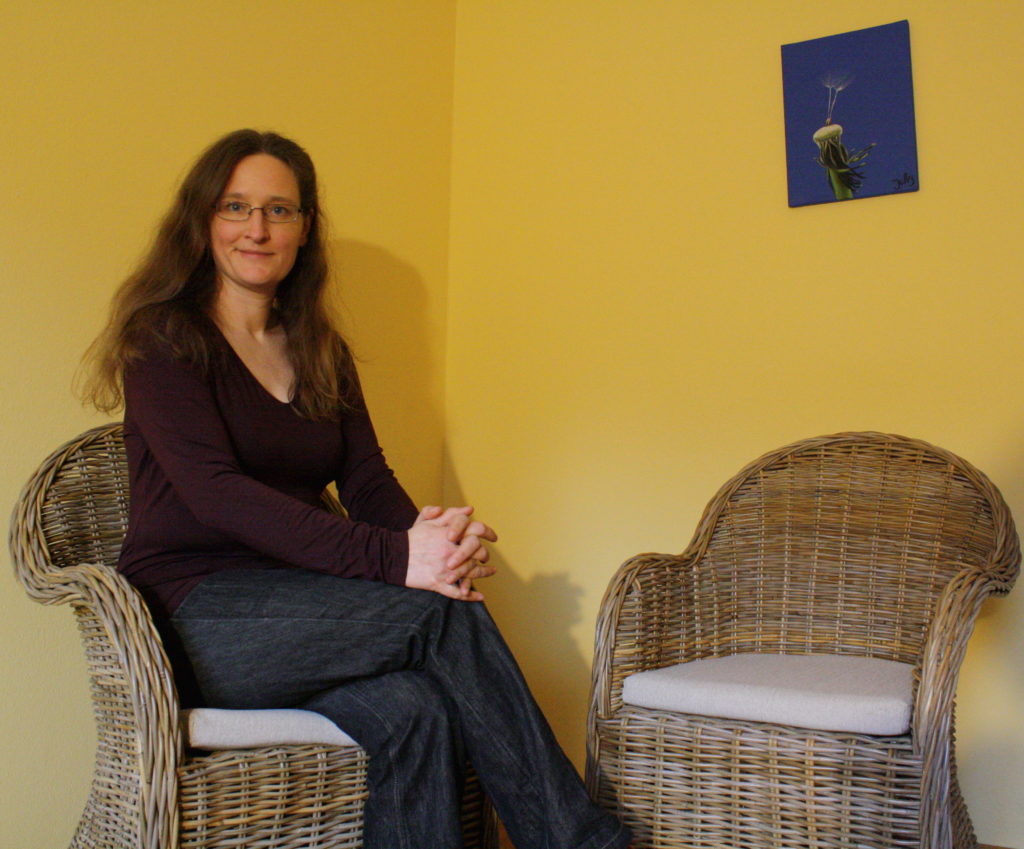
447	552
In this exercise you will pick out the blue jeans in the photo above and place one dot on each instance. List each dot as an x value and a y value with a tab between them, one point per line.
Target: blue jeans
422	682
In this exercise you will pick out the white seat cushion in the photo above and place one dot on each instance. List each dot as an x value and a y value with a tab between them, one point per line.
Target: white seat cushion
828	692
212	728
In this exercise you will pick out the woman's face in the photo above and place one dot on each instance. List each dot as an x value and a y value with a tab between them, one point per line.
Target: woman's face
255	254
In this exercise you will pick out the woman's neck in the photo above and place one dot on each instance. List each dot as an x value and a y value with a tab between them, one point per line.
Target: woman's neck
248	323
236	311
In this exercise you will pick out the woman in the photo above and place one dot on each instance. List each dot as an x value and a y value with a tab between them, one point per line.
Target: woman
241	404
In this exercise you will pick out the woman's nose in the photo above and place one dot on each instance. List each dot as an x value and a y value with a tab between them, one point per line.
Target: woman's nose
256	228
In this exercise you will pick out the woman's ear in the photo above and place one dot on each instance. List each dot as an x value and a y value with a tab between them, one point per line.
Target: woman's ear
307	222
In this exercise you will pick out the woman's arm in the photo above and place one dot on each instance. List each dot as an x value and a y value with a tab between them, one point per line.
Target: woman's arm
446	547
367	487
171	406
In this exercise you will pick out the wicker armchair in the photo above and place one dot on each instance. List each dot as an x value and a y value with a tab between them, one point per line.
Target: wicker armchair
857	544
149	789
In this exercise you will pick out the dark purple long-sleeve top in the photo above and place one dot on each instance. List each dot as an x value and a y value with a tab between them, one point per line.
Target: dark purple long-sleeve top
225	476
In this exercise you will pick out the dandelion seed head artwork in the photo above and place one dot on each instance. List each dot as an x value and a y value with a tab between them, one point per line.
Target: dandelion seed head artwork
849	108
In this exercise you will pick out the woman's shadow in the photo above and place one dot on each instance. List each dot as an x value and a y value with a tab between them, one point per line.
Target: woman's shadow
386	308
383	306
537	616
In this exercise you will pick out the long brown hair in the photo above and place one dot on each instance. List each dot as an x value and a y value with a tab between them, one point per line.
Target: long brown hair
167	298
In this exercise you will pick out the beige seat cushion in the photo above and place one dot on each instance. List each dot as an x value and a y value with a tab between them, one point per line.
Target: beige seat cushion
829	692
212	728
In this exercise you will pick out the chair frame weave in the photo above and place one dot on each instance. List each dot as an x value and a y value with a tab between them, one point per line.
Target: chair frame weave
150	791
856	543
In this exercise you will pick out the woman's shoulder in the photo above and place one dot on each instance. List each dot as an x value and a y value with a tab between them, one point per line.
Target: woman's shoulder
170	347
176	334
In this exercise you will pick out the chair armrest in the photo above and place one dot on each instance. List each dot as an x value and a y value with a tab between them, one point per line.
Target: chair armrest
936	679
134	699
638	625
945	645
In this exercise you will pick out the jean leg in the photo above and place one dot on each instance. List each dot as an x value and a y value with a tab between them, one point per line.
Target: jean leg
533	785
280	638
408	728
274	638
265	639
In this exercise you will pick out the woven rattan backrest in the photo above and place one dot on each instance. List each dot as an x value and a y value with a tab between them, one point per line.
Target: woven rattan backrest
85	512
74	509
842	544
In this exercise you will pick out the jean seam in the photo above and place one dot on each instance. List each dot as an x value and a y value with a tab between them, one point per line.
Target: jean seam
508	753
613	838
290	619
400	825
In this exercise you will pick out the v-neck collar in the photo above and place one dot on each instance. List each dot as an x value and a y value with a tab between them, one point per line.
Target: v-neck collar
241	363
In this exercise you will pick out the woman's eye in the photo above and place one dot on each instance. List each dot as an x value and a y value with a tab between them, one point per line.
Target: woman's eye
283	212
234	206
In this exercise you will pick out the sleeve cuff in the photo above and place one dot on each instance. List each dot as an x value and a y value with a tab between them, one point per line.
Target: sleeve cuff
396	562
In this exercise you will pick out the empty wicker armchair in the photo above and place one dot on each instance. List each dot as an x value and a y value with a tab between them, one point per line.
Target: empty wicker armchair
300	784
807	646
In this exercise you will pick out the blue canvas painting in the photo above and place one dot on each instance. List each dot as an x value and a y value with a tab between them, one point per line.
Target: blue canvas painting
849	105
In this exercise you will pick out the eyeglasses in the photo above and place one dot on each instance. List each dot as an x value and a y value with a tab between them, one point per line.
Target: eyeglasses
273	213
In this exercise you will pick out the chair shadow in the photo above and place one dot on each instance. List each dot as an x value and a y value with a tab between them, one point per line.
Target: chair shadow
999	615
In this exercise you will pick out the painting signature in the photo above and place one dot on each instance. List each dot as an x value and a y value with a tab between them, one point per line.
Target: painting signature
904	182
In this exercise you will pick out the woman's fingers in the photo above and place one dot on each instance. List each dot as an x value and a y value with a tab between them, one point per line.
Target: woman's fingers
470	570
429	512
471	544
469	548
481	570
467	593
428	568
479	529
466	558
459	524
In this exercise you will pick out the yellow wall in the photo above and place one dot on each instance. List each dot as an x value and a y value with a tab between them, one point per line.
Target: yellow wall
635	312
104	105
630	313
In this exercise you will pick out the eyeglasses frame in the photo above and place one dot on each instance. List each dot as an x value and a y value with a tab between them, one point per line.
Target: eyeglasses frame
299	211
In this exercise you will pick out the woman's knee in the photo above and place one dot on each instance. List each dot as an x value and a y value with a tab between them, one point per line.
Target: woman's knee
390	711
415	700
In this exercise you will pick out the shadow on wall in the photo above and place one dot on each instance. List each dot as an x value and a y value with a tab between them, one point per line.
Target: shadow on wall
383	307
385	313
536	615
999	617
996	613
995	749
